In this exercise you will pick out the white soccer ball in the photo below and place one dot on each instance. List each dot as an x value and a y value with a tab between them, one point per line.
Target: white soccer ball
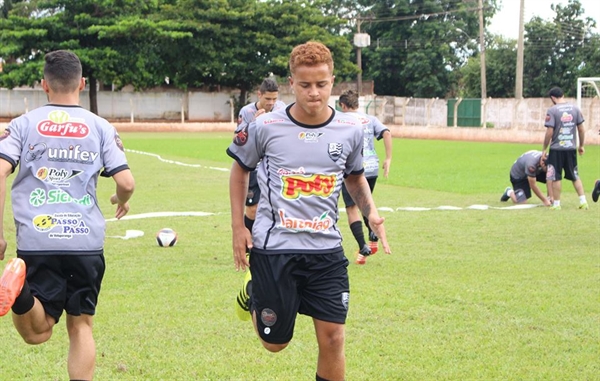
166	237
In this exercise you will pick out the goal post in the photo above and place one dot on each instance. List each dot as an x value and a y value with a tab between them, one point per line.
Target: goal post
588	101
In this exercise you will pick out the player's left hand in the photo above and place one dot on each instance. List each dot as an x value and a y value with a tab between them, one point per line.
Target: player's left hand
376	224
581	151
386	167
122	209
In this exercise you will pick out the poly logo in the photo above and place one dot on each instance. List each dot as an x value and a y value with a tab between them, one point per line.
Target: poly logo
295	186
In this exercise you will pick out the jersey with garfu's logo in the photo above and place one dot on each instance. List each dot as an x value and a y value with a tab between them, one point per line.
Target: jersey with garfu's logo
60	151
300	178
373	129
564	119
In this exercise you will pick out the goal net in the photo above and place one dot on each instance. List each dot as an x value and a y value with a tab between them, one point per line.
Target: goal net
588	100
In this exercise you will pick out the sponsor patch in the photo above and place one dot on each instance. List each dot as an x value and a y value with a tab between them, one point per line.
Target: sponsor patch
241	137
296	186
5	134
318	224
268	317
346	300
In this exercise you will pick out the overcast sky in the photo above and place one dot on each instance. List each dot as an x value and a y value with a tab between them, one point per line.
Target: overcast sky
506	22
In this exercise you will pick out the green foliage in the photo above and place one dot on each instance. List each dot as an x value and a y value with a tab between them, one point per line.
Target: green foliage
466	295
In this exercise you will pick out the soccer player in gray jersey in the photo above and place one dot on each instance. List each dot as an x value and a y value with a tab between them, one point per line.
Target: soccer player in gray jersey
60	150
297	260
525	172
267	102
563	122
373	129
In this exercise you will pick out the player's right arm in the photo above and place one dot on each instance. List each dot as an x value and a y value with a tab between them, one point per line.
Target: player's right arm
125	187
5	170
533	185
241	239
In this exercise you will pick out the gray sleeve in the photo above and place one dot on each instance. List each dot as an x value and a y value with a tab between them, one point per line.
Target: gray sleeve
113	153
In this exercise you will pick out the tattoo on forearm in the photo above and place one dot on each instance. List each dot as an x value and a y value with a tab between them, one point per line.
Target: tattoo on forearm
361	199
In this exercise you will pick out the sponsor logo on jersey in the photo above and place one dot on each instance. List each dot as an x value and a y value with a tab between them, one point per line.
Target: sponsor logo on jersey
310	137
57	176
547	117
346	121
69	224
35	152
271	121
318	224
565	137
363	120
296	186
283	171
566	117
71	129
335	150
39	197
73	154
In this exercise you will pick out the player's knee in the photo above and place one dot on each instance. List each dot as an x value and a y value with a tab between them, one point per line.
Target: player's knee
32	338
274	347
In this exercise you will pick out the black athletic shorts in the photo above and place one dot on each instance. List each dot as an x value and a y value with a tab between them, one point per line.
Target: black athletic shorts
523	184
562	160
348	201
253	190
284	285
65	282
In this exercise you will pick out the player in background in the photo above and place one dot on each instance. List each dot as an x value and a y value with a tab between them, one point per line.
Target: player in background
525	173
60	149
563	122
373	129
297	259
267	102
596	191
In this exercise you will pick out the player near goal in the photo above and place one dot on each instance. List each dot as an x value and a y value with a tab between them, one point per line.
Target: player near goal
563	122
373	129
297	259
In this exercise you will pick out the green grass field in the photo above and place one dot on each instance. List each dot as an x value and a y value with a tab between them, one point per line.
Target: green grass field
466	294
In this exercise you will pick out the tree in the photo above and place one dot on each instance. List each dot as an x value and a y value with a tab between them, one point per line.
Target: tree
501	62
418	46
113	39
560	51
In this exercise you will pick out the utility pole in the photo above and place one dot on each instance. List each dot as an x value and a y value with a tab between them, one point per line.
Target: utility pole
359	62
519	74
482	51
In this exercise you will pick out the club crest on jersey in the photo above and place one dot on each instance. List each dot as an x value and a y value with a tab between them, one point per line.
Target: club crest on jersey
335	150
5	134
241	136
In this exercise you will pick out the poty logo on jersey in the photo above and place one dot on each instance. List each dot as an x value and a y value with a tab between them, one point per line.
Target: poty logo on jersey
320	224
298	186
60	125
310	137
566	117
58	176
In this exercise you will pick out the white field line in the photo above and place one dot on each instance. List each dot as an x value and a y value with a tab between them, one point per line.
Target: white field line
174	161
383	209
